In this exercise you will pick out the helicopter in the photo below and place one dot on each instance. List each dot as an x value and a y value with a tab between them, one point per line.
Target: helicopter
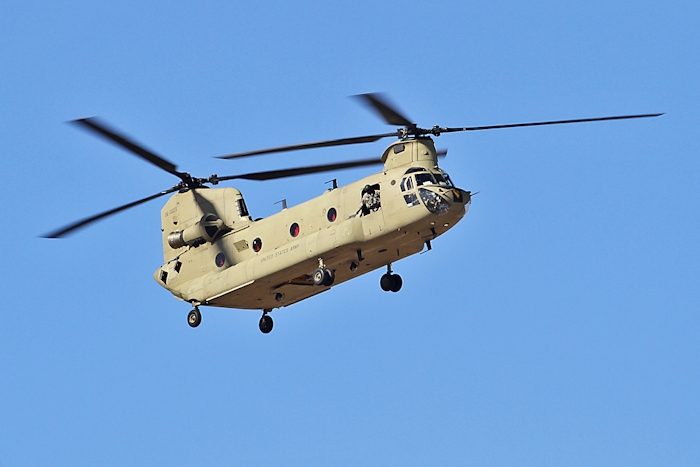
216	254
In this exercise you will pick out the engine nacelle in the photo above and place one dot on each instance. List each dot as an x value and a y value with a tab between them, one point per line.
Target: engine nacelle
206	229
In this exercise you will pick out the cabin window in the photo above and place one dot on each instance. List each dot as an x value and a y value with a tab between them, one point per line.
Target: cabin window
448	180
294	230
257	245
220	260
332	215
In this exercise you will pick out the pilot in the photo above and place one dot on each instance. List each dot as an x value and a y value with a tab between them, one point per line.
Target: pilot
366	199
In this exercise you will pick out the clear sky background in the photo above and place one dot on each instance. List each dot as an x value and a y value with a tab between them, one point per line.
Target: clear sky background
557	324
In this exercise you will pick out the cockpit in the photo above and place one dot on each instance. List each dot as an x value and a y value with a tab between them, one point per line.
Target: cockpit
417	177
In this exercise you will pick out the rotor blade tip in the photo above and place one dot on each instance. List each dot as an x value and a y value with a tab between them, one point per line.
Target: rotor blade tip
53	235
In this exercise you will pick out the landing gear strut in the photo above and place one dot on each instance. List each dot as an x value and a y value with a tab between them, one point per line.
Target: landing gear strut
194	317
266	322
323	275
390	282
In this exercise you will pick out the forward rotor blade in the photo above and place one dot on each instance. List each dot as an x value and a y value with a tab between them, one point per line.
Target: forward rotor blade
273	174
83	223
379	104
552	122
319	144
94	124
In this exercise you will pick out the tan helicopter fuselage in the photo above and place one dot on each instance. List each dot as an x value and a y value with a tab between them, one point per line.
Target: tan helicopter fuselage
216	254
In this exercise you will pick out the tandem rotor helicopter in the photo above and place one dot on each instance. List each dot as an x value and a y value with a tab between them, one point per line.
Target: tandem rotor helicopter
216	254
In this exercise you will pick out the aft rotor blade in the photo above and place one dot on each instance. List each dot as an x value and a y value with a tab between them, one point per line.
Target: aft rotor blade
552	122
95	125
379	104
85	222
319	144
273	174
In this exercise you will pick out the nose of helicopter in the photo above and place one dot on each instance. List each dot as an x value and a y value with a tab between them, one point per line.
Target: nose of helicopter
443	201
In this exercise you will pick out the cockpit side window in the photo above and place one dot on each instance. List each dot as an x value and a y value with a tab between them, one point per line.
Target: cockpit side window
448	180
406	184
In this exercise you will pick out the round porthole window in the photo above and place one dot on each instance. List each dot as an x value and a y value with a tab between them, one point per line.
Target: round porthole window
257	245
332	215
294	230
220	260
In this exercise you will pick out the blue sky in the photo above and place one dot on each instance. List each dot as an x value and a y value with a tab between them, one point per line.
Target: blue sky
555	325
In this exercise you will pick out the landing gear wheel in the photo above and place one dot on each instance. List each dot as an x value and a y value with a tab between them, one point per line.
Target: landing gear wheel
265	324
328	277
391	282
194	317
386	282
396	282
318	276
323	276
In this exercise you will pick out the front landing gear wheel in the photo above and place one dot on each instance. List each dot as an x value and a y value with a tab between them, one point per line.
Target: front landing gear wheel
319	276
323	276
385	282
194	317
390	282
265	324
328	277
396	282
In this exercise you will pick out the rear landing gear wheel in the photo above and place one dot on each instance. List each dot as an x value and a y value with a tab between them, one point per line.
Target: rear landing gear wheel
194	317
265	324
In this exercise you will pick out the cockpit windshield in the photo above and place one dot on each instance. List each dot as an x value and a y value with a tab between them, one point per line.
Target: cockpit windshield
440	179
425	179
444	179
